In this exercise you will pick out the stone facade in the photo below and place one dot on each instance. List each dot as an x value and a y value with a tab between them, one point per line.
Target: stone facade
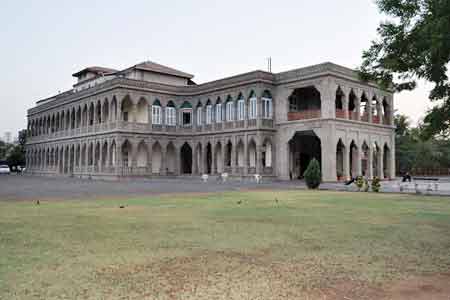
267	123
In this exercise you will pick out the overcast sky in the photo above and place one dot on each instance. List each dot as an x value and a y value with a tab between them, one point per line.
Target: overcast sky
44	42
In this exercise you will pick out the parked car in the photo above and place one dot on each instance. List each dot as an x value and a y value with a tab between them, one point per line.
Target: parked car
4	169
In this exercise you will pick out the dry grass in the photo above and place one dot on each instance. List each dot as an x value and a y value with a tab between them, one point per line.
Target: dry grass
210	247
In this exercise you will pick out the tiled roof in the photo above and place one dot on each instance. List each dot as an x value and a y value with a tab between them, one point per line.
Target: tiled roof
95	69
154	67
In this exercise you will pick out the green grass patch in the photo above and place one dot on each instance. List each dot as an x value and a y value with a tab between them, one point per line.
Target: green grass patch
205	245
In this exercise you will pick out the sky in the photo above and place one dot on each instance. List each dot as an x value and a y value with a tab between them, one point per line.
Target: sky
44	42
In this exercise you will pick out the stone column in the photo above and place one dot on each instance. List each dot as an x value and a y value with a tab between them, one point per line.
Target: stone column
163	170
369	174
233	155
381	163
259	167
345	101
346	162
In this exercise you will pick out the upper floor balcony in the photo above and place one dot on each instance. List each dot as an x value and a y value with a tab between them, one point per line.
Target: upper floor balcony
306	103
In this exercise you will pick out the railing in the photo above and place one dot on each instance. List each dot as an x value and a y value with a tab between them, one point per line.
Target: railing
251	123
353	115
229	125
386	121
157	127
304	115
240	124
340	113
218	126
376	119
365	117
267	122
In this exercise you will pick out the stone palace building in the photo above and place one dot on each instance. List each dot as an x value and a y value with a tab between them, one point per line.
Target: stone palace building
151	120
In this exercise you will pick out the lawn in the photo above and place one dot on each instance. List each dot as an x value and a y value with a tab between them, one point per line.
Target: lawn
233	245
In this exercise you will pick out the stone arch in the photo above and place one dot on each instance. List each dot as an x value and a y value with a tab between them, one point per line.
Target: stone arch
91	114
340	160
127	150
240	154
267	153
126	109
105	111
387	162
83	155
171	158
304	103
142	111
364	107
198	158
90	154
352	106
376	160
156	158
228	154
113	110
354	159
208	158
142	154
339	103
98	112
104	161
304	146
112	154
386	112
251	149
84	115
186	159
72	118
97	154
365	159
218	157
77	155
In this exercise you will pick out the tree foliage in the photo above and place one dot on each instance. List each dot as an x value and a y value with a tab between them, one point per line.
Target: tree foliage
312	175
414	44
415	150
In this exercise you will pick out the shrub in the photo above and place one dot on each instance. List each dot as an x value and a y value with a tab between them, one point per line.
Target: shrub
359	183
376	184
366	185
313	175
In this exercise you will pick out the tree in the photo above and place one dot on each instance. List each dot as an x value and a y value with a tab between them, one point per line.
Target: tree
16	157
312	174
414	44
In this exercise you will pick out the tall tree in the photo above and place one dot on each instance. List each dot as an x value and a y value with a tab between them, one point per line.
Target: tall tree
414	44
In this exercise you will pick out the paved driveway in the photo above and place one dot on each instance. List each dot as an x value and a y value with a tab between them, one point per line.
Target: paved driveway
16	187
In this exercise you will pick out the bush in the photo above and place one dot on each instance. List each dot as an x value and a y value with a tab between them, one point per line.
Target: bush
312	175
359	183
366	185
376	184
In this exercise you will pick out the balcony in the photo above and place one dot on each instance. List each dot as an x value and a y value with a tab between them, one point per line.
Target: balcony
304	115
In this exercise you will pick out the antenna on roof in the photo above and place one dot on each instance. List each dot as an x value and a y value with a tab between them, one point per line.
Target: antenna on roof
269	64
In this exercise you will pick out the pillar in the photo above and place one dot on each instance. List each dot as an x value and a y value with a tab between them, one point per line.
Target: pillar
369	174
346	161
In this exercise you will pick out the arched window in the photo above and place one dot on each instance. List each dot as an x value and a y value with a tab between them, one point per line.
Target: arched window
208	112
230	109
156	112
267	105
186	114
252	109
218	111
199	114
171	116
240	107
